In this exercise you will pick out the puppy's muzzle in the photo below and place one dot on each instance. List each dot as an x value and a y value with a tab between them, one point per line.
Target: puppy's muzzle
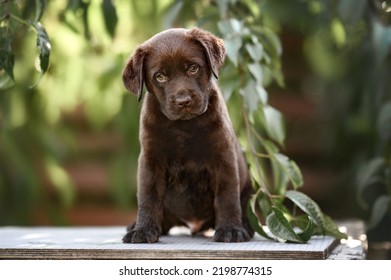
185	105
183	101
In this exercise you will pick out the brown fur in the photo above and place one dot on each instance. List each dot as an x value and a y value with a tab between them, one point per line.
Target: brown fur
191	170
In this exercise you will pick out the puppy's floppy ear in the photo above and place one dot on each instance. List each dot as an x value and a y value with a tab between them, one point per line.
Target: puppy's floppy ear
133	74
213	47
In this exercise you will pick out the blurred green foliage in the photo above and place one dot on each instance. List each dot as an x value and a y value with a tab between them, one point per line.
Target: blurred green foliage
57	56
347	44
88	43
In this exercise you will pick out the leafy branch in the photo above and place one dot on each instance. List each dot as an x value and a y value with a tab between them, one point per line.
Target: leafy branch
252	46
16	15
10	22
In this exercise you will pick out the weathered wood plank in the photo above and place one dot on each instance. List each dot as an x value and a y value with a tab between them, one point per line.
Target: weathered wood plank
105	243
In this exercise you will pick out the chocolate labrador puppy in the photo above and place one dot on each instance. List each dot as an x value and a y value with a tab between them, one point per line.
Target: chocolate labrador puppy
191	170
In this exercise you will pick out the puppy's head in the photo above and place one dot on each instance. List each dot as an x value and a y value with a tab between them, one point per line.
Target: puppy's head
176	66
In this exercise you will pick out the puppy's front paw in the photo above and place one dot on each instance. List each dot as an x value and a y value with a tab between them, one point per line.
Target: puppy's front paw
141	235
231	234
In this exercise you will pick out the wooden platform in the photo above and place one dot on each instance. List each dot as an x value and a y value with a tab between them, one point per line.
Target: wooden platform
105	243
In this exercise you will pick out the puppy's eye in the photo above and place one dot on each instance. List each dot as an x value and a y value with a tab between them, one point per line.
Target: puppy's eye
193	69
161	78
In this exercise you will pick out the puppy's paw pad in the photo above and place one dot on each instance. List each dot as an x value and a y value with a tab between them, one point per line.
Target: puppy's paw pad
231	234
141	236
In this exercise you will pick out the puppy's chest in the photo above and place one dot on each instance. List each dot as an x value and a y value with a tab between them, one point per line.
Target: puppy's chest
190	160
186	147
189	191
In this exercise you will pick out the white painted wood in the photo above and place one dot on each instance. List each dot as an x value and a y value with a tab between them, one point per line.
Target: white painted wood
105	243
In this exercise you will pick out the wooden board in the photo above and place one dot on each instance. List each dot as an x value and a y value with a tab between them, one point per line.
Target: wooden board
105	243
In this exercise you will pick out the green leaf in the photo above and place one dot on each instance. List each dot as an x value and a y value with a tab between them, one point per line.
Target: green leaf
264	204
380	38
232	31
110	16
253	94
281	228
44	47
274	43
229	82
278	76
172	13
331	228
368	174
307	232
307	205
379	209
351	11
223	7
384	121
39	9
6	81
270	147
280	177
232	47
284	169
250	99
80	9
84	7
255	50
6	56
256	71
61	181
338	32
290	168
253	218
300	221
7	63
274	124
230	27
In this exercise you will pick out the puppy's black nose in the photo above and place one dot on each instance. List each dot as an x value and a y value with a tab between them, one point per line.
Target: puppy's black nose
183	101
